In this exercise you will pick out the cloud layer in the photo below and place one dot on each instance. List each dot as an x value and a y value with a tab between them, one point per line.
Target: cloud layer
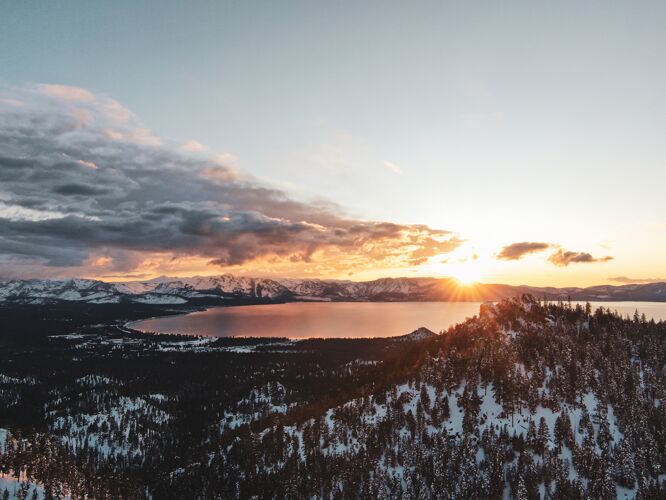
85	187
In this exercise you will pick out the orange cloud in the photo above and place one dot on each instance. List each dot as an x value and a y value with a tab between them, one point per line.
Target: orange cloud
87	164
516	251
563	258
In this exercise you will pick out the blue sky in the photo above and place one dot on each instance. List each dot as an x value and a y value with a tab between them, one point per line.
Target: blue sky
501	121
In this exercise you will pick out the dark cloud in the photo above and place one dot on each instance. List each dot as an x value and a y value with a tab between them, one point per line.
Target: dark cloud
563	258
516	251
81	179
79	190
626	280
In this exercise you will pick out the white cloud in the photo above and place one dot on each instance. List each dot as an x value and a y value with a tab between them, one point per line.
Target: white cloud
15	212
193	146
145	137
393	167
226	159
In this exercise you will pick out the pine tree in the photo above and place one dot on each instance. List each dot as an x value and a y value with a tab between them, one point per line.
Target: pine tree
623	465
543	434
521	489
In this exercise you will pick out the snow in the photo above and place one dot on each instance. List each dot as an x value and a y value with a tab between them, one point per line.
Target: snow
81	431
109	299
454	425
260	402
158	397
134	287
4	379
616	434
622	493
70	336
489	409
13	485
195	344
153	298
94	381
480	455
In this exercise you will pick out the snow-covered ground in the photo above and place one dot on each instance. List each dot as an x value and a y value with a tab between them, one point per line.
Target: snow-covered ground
121	427
19	488
260	402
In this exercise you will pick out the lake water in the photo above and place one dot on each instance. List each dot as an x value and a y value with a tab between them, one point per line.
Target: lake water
339	319
315	319
652	310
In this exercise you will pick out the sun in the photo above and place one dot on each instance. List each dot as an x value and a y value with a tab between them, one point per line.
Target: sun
465	266
465	274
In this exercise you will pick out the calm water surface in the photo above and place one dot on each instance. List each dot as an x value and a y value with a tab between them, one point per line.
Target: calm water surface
315	319
340	319
652	310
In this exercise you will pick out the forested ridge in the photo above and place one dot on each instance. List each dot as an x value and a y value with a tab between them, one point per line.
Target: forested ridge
525	400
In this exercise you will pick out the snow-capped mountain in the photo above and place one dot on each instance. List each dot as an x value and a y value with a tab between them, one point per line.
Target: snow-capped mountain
218	289
156	291
44	291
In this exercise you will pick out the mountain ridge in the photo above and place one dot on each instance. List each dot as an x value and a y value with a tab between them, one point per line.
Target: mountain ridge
217	290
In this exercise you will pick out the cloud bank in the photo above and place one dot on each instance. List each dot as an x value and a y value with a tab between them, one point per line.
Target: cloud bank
86	188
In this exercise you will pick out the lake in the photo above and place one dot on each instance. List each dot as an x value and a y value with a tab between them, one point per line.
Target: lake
300	320
652	310
315	319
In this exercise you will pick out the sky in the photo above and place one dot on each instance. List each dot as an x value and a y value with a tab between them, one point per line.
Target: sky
512	142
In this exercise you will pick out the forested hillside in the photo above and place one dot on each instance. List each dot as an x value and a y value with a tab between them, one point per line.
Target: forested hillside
525	400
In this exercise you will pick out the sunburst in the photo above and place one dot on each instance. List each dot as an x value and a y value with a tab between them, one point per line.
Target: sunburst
466	273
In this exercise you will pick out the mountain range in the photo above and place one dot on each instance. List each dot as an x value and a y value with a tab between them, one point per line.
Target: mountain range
211	290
